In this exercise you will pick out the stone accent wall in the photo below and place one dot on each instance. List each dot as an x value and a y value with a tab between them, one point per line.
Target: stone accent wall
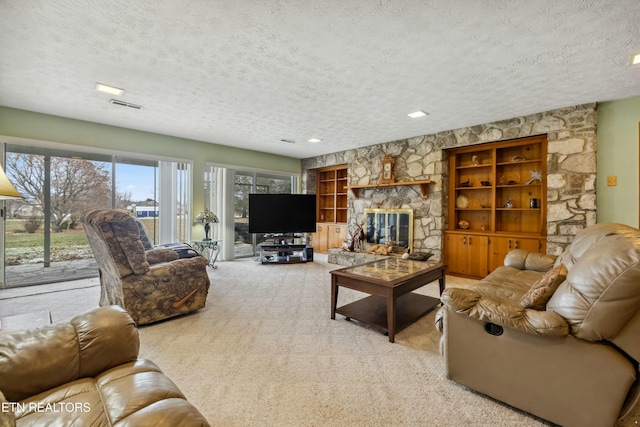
571	173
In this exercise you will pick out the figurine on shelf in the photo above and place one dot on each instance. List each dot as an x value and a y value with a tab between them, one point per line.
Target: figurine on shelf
381	249
466	183
475	161
535	176
356	239
509	204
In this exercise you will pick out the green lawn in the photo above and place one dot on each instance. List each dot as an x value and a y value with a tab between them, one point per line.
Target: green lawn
16	237
22	247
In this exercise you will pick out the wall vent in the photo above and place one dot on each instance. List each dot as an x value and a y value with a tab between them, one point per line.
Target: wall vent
125	104
288	141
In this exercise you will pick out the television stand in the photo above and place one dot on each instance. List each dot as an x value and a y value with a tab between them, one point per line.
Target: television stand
285	254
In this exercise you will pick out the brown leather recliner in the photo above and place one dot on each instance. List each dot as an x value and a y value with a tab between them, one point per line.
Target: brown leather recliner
87	372
151	285
574	362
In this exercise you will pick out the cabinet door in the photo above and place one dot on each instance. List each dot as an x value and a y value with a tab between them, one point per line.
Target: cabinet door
319	238
467	255
457	254
477	247
336	235
500	247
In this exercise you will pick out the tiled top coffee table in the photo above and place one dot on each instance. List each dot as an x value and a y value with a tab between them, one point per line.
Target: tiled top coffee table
392	305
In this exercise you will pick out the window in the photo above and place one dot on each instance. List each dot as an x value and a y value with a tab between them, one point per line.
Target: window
43	238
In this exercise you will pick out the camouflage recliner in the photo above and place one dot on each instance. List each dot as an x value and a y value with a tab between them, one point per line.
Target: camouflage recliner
151	285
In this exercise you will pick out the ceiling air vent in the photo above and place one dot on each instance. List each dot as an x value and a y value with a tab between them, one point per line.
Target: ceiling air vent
125	104
288	141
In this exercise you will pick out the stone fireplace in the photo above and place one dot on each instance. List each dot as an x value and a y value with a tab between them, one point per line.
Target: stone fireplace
571	172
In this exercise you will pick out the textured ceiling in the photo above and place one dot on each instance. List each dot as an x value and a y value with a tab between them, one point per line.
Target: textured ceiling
248	73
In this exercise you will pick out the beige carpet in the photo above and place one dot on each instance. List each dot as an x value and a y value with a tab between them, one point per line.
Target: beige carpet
264	352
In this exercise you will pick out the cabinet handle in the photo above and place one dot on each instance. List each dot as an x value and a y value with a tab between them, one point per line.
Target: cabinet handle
516	244
509	243
464	240
469	239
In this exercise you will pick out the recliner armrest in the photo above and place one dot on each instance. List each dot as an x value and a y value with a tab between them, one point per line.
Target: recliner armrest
504	312
525	260
158	255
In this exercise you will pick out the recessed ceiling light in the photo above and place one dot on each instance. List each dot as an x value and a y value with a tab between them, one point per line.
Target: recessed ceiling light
417	114
636	59
109	89
315	140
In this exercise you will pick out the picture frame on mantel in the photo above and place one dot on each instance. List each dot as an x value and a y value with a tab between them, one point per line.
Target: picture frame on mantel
387	176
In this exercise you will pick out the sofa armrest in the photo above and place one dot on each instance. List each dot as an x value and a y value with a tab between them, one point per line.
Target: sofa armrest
7	416
504	312
525	260
36	360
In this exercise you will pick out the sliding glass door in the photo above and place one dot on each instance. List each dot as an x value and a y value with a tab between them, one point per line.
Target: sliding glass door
43	239
245	184
226	187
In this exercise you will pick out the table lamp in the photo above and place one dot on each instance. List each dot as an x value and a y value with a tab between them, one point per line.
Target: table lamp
7	190
205	217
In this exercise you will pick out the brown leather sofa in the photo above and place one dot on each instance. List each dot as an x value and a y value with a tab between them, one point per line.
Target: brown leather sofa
87	372
151	285
574	361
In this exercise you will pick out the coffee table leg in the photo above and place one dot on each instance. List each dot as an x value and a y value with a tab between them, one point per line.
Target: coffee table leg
334	296
441	281
391	318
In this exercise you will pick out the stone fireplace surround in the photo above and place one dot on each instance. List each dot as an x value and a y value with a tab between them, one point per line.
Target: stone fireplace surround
571	173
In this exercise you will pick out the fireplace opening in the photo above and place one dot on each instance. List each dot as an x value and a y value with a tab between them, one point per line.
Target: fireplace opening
382	226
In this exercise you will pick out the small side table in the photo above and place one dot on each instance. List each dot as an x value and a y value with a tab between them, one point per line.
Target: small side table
212	247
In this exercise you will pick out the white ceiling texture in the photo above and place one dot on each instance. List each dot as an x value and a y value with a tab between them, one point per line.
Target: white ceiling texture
250	73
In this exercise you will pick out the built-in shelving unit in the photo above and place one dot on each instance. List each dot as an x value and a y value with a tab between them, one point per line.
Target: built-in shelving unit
332	194
497	202
331	217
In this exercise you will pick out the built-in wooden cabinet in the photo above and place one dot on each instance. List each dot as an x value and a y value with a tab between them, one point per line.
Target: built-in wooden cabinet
500	246
496	191
331	193
331	190
328	236
468	254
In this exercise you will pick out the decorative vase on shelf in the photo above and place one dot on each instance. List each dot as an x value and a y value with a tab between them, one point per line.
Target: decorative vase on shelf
462	201
206	217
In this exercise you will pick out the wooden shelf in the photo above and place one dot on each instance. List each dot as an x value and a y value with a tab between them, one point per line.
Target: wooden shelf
424	187
493	230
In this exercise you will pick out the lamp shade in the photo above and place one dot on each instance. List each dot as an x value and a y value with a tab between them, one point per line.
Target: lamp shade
7	190
206	217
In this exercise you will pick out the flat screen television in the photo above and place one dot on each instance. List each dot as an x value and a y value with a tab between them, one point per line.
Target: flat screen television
282	213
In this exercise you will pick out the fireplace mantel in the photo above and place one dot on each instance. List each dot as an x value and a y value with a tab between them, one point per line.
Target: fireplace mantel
424	187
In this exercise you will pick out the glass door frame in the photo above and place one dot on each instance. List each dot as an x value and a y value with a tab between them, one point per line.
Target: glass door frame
182	189
219	185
